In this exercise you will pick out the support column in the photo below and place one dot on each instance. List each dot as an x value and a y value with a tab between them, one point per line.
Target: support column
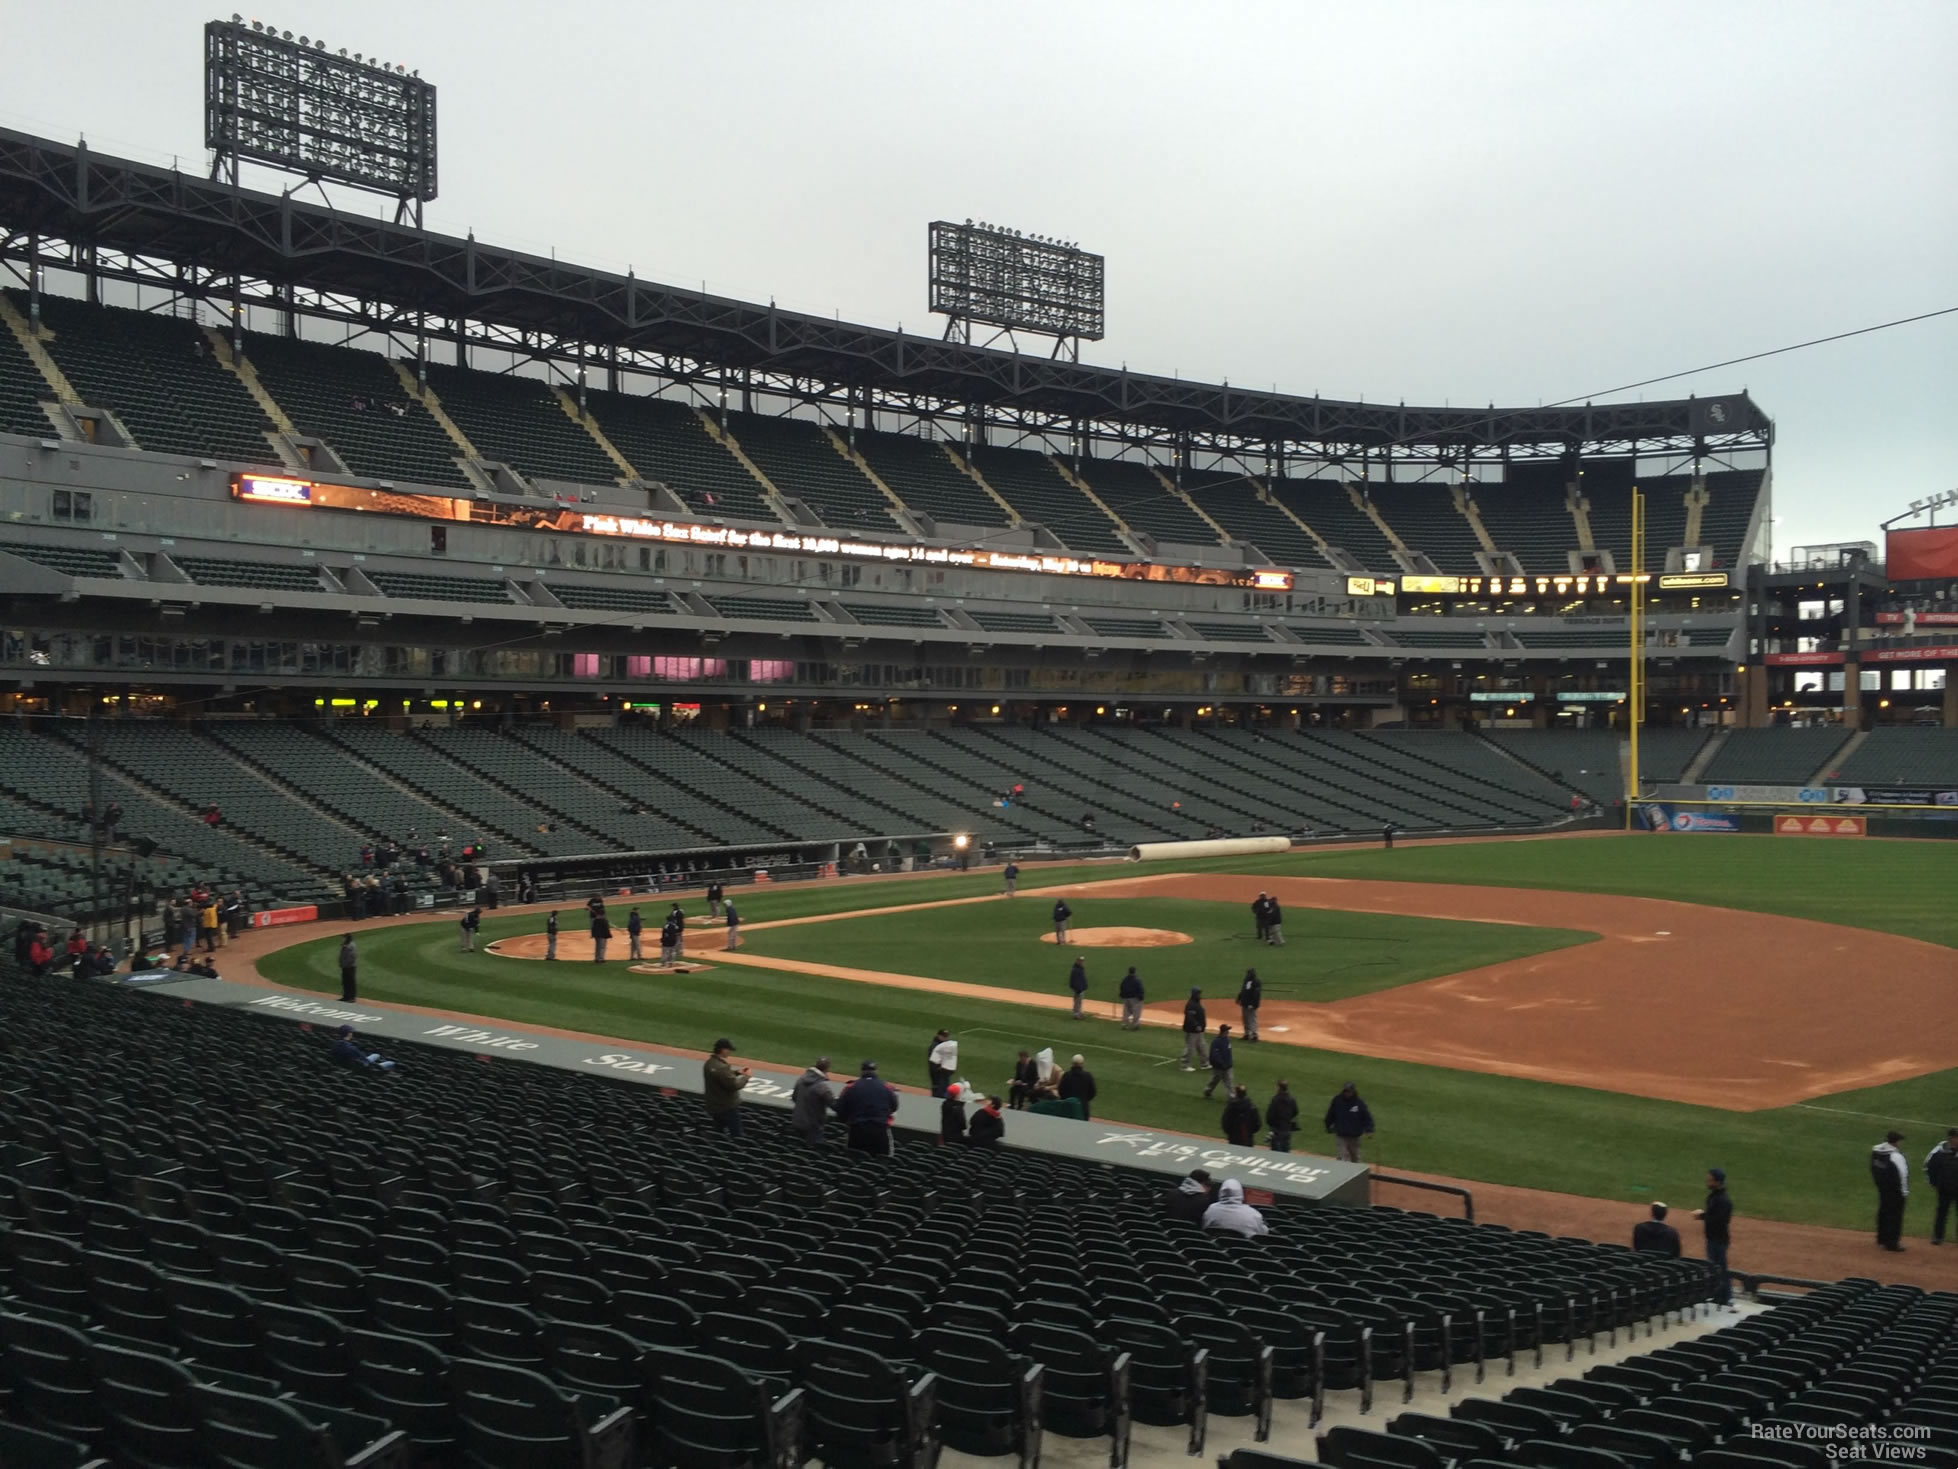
1950	699
1852	694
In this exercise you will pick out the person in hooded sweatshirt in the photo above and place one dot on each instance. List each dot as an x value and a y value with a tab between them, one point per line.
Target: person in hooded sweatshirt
810	1102
1242	1119
1191	1197
1232	1213
1890	1172
987	1127
951	1116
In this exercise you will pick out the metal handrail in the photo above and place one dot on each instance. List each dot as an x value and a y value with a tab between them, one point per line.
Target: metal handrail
1467	1198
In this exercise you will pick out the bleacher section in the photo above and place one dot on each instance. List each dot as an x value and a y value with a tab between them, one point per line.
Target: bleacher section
1136	494
1773	756
1527	517
1230	632
666	441
892	614
1895	756
713	766
1607	487
1425	517
1031	484
22	391
426	588
1409	636
1588	760
158	376
1665	514
1723	524
1589	637
922	476
766	609
820	772
1233	502
517	421
1665	754
71	560
1323	633
1327	508
801	462
352	399
270	576
629	763
593	597
1061	772
1015	621
1126	627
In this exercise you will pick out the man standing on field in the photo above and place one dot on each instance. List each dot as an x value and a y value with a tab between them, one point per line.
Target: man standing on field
1195	1024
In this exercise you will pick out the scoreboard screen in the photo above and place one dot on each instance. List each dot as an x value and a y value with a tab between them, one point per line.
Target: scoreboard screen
1570	584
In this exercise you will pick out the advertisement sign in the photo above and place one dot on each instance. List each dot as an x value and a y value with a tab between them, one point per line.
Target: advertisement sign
1937	654
1664	816
1686	581
1924	619
1821	826
1772	795
1801	660
1499	696
1893	796
279	917
1929	553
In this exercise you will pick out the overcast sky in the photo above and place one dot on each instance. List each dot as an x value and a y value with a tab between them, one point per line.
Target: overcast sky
1430	202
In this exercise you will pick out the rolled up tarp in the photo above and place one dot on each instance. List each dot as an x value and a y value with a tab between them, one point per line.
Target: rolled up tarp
1219	847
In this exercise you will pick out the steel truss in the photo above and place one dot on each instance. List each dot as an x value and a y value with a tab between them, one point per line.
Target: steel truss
64	207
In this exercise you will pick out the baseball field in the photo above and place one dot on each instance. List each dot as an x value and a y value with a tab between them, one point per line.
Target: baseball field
1601	1015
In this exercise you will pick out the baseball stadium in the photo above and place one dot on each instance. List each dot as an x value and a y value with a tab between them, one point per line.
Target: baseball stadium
607	876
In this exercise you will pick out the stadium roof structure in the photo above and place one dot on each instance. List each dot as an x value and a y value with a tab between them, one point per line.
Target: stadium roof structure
68	207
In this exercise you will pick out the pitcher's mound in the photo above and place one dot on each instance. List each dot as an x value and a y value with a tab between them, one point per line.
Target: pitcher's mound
1121	938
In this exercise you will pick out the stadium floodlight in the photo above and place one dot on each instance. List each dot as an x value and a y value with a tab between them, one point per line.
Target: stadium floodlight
272	98
987	275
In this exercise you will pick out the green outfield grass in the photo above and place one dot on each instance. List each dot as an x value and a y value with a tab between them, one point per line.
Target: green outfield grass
1804	1163
1327	956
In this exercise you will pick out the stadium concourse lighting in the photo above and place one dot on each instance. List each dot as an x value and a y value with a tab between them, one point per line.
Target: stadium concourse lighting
961	841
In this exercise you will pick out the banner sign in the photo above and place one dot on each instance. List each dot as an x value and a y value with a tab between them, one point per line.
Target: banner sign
1893	796
1772	795
1821	826
1663	816
1924	619
279	917
1801	660
1939	653
1929	553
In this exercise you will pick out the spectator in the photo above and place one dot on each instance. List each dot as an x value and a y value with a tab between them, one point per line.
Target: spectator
951	1116
634	926
866	1108
346	1051
1250	995
987	1127
1348	1119
1282	1117
1077	984
1242	1119
212	816
471	921
1274	923
1890	1172
1061	915
1195	1025
721	1083
810	1102
205	967
349	970
1026	1076
1655	1236
1011	874
1078	1084
550	934
733	920
1941	1172
23	941
1387	836
1131	993
1223	1061
75	950
187	925
1232	1213
1190	1199
1717	1217
207	924
1258	914
941	1062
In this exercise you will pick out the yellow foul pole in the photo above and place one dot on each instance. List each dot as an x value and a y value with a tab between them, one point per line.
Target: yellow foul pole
1635	682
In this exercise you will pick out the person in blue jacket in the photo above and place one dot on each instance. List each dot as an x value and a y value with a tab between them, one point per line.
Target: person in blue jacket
1222	1059
1077	983
866	1108
1348	1120
1131	995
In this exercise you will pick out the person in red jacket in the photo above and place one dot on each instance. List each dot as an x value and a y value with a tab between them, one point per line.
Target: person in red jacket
39	956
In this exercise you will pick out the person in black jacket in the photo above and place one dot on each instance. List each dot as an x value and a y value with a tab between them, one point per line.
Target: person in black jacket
1258	914
951	1116
865	1109
1026	1076
1241	1119
1189	1198
987	1127
1890	1172
1131	996
1077	984
1717	1215
1223	1062
1282	1117
601	934
1195	1025
1655	1236
1061	915
1274	923
1078	1082
1348	1119
1250	995
1941	1172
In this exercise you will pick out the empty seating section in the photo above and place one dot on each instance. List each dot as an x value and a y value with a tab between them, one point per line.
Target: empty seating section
270	576
1014	621
593	597
892	614
1426	520
1588	760
1126	627
1665	754
1724	522
1709	637
158	376
720	768
1137	494
923	476
22	391
1527	517
517	421
764	609
823	771
1665	515
351	398
1345	633
502	818
1410	636
1902	757
1610	515
1030	483
1079	780
499	1259
1774	756
1603	636
1219	798
1476	769
1234	503
666	441
887	770
74	560
583	816
800	461
426	588
600	756
1230	632
1329	509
